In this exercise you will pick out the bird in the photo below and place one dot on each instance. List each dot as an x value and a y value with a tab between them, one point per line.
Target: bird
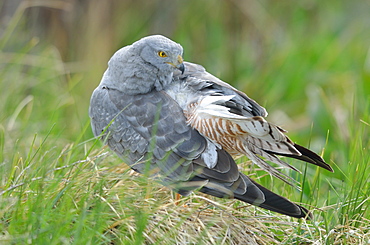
182	126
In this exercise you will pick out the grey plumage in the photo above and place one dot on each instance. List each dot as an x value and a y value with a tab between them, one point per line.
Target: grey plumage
179	126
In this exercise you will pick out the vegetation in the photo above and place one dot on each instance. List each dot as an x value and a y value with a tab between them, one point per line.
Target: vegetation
307	62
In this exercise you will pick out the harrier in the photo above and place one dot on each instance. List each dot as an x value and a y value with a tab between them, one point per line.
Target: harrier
176	121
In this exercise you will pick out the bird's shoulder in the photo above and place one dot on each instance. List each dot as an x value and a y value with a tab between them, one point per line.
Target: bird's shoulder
200	83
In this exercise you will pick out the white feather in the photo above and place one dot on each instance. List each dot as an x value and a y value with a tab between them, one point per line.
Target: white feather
209	156
209	106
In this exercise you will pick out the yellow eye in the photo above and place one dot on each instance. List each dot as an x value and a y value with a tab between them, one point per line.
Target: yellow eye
162	54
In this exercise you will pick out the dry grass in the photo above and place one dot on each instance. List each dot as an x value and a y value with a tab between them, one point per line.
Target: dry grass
143	210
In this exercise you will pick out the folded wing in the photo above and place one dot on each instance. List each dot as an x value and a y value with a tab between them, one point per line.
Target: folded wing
231	119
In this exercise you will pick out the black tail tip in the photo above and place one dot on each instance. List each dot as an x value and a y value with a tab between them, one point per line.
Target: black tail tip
312	157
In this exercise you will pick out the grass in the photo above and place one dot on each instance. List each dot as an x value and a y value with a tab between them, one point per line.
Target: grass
307	63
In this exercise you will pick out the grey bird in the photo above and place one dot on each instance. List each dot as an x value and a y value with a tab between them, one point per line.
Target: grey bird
179	123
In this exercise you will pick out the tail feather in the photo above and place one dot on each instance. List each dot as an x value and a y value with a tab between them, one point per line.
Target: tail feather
262	153
277	203
249	191
251	153
307	156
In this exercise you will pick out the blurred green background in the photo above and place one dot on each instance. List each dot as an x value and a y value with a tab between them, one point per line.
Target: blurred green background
307	62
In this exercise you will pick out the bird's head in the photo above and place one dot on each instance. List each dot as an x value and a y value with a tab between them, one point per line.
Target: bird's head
145	65
161	52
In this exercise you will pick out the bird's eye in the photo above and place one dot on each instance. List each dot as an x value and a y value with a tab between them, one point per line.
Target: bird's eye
162	54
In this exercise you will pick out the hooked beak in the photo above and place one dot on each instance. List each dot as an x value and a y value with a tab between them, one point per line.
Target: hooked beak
181	67
179	64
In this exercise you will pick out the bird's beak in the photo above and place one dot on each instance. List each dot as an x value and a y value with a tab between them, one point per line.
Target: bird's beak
181	67
179	64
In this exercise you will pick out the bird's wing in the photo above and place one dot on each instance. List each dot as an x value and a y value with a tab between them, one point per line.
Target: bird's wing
147	131
150	133
228	117
243	103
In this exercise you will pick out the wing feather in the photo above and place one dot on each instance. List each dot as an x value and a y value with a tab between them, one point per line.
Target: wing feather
228	117
159	134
